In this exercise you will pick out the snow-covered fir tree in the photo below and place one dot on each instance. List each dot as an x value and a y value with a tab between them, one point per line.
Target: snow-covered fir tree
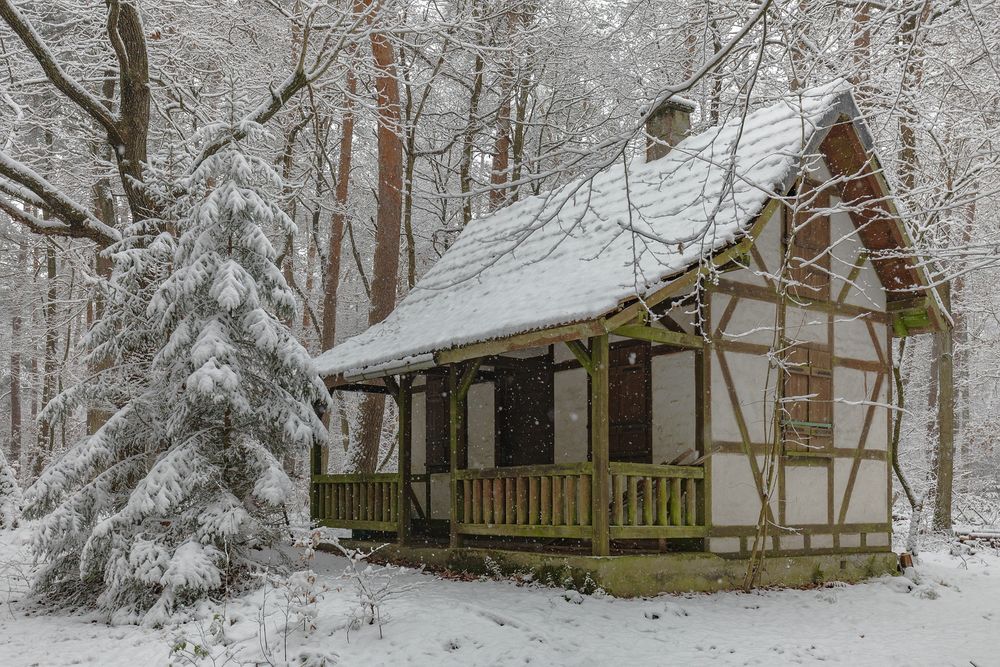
165	503
11	499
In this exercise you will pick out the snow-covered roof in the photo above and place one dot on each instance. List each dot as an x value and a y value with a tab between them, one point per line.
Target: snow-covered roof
577	253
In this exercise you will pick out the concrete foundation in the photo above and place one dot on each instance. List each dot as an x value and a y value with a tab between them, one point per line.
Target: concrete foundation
641	575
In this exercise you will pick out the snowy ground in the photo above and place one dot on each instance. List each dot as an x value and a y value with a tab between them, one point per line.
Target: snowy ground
945	613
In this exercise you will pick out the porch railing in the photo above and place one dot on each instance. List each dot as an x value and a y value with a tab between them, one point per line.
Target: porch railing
526	501
648	501
655	501
363	502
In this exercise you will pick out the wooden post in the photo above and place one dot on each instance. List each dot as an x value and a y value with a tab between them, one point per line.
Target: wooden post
599	444
454	539
458	388
315	463
404	402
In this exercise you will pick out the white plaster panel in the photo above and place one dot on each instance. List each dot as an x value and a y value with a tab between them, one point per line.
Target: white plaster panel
754	390
866	290
852	340
850	540
769	243
685	316
821	541
748	276
724	545
852	387
561	353
734	494
440	495
674	421
877	539
805	495
418	441
790	542
480	426
751	322
571	416
868	500
806	326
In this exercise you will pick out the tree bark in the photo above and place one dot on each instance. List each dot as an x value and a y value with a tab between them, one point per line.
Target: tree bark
946	431
15	389
44	445
336	242
385	269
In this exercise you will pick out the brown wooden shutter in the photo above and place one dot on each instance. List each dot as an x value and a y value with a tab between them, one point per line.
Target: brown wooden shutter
807	422
809	256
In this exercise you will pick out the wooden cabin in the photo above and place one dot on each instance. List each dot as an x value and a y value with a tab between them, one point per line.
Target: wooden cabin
650	372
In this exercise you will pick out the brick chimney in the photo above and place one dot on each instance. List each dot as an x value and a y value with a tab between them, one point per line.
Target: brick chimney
667	126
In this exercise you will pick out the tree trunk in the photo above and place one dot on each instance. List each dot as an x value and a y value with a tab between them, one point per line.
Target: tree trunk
334	249
946	432
385	269
44	446
15	389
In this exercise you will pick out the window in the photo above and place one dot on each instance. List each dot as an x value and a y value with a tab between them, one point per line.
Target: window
808	256
807	419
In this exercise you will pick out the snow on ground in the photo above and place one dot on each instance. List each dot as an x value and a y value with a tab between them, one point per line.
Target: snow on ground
947	612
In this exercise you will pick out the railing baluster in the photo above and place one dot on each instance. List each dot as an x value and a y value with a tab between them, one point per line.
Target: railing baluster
466	500
569	493
477	502
499	502
557	500
522	500
583	504
546	500
675	501
617	499
647	501
394	502
691	517
487	500
511	496
533	501
633	500
662	495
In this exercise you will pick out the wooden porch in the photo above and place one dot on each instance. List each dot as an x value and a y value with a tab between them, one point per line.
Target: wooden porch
647	502
591	505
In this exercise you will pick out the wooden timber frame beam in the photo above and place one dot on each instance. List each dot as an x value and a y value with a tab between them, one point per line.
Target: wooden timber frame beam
404	404
596	361
459	381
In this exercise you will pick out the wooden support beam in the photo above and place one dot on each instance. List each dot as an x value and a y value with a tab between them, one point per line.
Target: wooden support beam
404	400
458	385
599	444
582	355
664	336
454	416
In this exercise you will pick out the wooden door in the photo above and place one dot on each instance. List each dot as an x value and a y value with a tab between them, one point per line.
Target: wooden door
630	403
525	412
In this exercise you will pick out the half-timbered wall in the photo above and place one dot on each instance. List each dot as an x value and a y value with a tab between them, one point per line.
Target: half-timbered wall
834	497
